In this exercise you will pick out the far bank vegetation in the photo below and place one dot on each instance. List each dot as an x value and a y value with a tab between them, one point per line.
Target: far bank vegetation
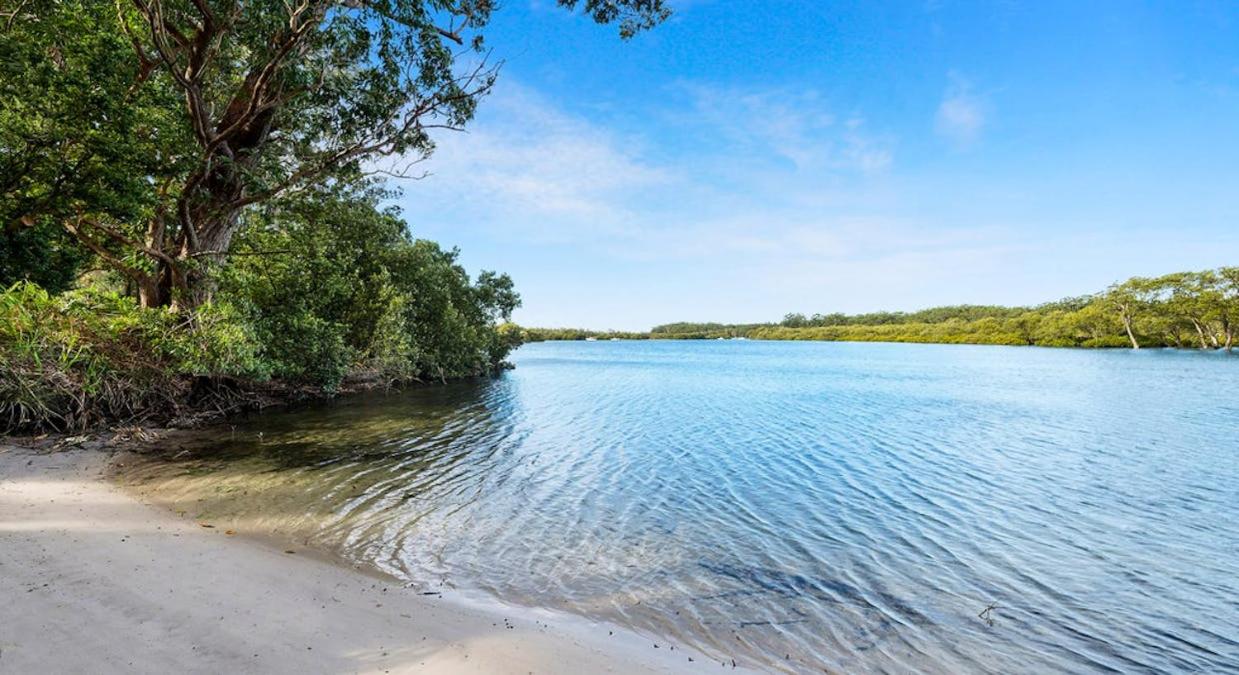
1186	310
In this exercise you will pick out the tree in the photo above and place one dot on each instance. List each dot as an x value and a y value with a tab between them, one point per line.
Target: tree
1128	300
1228	291
273	97
1196	298
794	320
79	143
335	285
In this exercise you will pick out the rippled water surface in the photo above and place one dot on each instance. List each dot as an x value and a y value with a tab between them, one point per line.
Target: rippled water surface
801	506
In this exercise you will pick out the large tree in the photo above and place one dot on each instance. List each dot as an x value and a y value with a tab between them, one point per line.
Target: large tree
1129	300
165	119
87	143
1228	287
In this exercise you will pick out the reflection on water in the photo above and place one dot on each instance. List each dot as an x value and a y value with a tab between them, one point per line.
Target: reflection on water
794	505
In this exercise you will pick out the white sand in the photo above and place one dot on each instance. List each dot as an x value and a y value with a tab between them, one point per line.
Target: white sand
93	581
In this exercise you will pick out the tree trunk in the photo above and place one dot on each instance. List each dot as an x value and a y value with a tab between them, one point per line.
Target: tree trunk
150	292
1200	331
1130	335
193	280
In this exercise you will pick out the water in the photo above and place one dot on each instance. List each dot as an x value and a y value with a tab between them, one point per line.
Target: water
796	506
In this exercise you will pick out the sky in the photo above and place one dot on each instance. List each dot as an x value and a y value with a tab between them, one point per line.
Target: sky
750	158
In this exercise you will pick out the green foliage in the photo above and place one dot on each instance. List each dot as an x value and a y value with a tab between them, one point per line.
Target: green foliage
84	357
984	331
1173	310
633	16
42	253
148	130
336	287
82	147
684	328
931	315
320	288
162	141
1185	309
551	334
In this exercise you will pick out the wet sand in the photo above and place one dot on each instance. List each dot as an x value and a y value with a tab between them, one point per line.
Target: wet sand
93	580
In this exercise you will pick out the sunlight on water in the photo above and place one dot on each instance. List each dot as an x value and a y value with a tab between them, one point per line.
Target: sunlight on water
793	505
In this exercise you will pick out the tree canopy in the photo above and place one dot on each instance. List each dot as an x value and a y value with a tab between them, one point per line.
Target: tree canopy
146	128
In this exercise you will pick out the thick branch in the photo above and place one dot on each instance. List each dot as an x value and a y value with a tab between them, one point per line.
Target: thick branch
99	250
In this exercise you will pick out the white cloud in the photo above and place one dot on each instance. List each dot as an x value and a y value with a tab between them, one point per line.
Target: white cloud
746	185
531	160
529	169
962	115
794	125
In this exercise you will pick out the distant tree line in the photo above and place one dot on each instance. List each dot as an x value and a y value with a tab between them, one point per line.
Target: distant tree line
1184	310
568	334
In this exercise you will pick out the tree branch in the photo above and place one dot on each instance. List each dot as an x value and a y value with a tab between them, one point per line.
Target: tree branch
99	250
119	237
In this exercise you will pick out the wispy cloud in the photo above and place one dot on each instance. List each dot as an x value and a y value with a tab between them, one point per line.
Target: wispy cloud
529	166
761	186
530	171
795	125
962	115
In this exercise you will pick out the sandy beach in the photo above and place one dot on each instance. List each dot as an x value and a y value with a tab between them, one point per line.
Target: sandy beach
93	580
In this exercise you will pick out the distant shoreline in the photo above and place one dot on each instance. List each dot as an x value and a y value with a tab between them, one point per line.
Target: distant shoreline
1186	310
655	337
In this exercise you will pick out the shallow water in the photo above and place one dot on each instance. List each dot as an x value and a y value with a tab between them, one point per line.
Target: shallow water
795	506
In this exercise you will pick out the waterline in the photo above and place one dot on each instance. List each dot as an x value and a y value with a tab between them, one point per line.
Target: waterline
847	506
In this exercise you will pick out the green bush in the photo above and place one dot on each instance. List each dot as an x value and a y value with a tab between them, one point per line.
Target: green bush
42	253
1108	341
319	289
335	287
87	356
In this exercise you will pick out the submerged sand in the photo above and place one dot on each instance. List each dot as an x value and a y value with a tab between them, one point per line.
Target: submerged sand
93	580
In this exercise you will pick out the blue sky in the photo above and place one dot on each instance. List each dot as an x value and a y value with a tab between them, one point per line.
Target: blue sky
751	158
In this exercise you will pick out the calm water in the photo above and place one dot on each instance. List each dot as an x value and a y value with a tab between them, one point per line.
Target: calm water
793	505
